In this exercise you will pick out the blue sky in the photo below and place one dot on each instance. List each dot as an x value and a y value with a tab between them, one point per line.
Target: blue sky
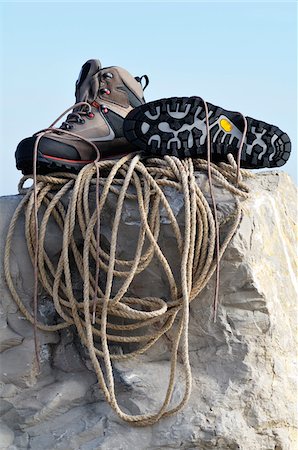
239	55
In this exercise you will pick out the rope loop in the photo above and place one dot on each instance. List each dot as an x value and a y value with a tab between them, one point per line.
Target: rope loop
100	304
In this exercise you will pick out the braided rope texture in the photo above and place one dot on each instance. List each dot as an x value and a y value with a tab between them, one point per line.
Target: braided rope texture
103	318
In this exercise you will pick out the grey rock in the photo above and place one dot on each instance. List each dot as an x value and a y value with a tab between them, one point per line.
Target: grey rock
6	436
9	339
243	366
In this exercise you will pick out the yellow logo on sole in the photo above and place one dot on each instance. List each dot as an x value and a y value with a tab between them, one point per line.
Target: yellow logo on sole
226	125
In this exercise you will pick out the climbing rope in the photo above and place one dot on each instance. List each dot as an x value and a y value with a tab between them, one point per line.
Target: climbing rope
104	318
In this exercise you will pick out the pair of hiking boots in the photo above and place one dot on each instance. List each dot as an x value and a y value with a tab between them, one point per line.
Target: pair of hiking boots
116	119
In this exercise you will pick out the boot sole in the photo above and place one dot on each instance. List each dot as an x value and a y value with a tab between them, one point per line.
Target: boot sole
177	126
46	164
49	163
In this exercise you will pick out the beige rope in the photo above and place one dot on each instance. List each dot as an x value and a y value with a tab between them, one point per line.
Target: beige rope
103	317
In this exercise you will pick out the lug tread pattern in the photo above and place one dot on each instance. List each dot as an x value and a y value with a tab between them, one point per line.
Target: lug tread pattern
274	150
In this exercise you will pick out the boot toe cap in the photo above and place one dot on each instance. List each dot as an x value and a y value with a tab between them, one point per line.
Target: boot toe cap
46	147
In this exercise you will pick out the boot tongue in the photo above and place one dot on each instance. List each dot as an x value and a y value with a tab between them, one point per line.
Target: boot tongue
87	84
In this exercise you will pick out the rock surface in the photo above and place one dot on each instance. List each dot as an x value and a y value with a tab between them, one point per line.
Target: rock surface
243	366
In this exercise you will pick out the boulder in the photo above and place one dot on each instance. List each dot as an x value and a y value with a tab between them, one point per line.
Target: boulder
243	366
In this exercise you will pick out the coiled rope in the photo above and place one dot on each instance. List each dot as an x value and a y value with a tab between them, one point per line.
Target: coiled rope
100	317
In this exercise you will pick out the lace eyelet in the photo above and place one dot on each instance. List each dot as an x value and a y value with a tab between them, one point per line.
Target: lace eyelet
66	126
105	91
81	121
108	75
90	115
104	109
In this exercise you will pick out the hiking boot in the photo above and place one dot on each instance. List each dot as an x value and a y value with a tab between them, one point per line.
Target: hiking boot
177	126
111	93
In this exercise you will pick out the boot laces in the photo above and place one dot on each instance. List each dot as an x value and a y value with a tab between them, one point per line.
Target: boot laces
76	116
